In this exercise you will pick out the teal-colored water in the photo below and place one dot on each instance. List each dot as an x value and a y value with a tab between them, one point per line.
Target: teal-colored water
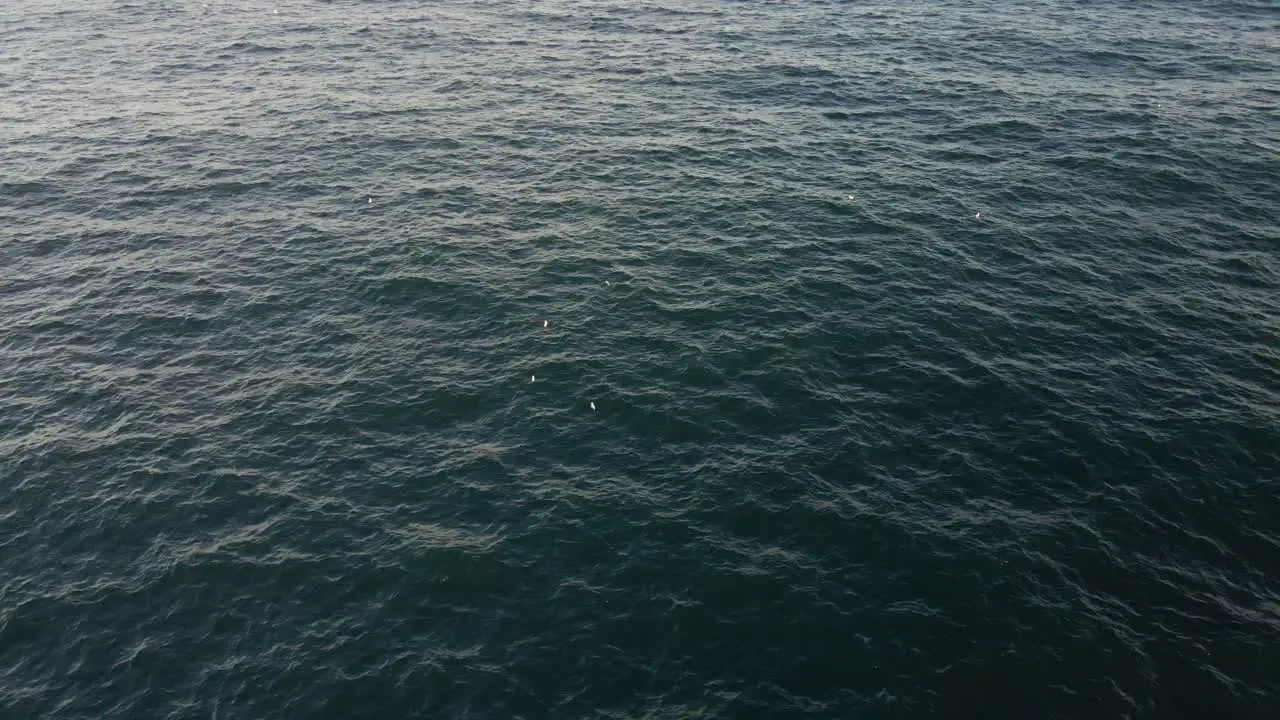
934	350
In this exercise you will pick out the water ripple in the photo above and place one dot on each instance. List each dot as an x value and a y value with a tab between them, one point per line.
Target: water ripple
898	362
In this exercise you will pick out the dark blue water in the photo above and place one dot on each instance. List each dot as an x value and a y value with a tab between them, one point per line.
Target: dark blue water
934	352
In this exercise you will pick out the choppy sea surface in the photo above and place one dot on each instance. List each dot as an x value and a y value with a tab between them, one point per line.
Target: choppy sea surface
900	359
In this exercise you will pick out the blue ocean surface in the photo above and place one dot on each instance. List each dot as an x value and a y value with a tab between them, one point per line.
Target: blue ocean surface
675	359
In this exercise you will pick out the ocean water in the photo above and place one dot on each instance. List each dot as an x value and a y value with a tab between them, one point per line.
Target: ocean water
900	360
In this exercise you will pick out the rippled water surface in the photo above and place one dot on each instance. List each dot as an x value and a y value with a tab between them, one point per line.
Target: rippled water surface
900	360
